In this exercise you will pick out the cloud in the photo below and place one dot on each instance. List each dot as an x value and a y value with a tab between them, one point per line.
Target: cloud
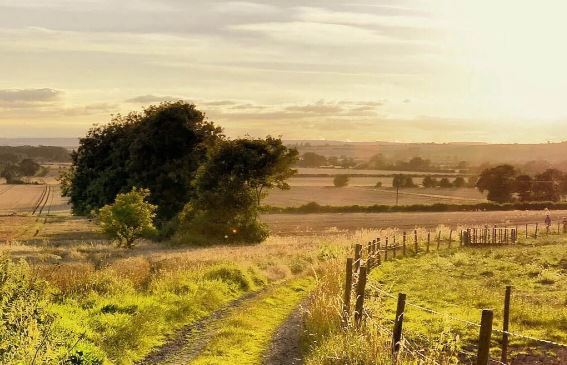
149	99
12	98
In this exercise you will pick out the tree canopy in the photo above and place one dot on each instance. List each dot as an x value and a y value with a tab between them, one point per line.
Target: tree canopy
229	188
159	149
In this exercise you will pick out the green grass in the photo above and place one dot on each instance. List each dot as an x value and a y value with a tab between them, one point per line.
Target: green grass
461	282
120	324
244	336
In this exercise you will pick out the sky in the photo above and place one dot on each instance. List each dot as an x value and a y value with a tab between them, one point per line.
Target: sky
360	70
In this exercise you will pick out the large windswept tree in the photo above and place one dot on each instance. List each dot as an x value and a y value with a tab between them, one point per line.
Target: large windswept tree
159	149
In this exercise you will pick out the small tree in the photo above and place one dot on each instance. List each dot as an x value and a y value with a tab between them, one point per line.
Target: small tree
29	167
129	217
499	181
459	182
445	183
429	182
340	181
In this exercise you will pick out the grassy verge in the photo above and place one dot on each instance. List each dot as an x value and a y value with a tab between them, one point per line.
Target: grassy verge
245	335
119	323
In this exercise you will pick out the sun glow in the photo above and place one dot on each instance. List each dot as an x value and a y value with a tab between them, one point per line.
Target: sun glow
513	53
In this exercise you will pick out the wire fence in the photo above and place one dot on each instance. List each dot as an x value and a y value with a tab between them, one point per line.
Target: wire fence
378	251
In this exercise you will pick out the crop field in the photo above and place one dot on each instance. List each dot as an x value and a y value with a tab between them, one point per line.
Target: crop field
354	172
357	195
321	223
29	198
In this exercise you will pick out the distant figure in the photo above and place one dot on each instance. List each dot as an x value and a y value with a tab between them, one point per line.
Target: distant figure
547	221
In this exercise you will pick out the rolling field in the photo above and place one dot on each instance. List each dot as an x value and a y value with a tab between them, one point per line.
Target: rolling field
357	195
26	198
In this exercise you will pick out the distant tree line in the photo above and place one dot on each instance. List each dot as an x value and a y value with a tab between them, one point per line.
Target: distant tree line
376	162
505	183
14	154
312	159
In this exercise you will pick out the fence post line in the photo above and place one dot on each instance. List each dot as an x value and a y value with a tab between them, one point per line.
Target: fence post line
485	334
398	324
357	256
348	290
506	325
360	287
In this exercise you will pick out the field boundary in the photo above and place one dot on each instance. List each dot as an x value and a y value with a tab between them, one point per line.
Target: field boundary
313	207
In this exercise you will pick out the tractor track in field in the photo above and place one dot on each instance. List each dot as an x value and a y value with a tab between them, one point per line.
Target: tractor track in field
188	342
285	346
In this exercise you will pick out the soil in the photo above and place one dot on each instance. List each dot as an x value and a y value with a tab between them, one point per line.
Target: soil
285	348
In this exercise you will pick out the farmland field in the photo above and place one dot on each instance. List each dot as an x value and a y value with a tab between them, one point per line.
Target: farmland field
358	195
25	198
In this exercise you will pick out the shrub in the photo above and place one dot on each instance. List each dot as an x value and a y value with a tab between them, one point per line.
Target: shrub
340	181
129	217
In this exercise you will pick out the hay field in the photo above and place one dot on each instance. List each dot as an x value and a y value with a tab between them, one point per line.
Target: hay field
361	195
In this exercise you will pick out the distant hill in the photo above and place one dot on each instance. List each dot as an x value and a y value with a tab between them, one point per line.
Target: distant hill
68	143
472	152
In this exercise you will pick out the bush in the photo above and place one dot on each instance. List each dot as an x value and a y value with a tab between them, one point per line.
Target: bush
129	217
340	181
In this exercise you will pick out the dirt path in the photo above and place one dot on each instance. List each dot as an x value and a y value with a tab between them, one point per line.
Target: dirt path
188	342
285	348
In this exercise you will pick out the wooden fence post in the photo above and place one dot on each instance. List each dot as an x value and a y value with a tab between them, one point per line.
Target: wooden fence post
348	290
536	227
398	324
394	246
415	241
428	241
386	249
360	287
450	237
357	256
404	243
527	236
438	240
483	355
461	237
506	325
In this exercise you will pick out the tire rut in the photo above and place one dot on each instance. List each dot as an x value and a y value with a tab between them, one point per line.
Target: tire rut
285	347
191	340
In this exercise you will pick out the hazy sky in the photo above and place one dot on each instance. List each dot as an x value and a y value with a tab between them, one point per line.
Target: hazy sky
404	70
